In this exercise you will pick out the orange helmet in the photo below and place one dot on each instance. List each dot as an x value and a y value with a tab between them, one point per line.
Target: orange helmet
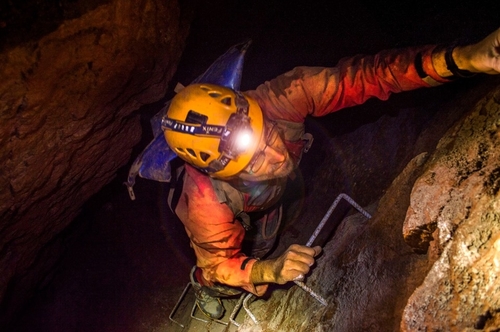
213	128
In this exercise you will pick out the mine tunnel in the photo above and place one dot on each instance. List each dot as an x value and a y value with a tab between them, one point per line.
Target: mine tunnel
81	81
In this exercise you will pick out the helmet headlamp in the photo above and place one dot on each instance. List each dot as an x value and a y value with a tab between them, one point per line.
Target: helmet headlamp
236	137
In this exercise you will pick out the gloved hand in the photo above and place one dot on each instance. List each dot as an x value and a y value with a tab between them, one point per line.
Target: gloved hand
292	265
464	61
482	57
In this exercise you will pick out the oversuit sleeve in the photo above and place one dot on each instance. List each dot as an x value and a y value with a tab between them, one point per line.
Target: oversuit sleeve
215	235
318	91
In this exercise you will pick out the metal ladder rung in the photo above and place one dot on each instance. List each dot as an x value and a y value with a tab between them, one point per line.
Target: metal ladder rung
232	317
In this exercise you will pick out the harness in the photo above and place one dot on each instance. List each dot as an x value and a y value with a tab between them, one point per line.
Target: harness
242	198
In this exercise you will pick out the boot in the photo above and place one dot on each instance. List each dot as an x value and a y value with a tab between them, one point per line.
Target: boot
210	305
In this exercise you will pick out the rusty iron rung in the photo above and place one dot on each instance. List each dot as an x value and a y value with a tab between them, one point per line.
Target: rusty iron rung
232	317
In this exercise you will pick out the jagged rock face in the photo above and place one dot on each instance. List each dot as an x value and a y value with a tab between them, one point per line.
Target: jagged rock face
67	121
455	207
366	271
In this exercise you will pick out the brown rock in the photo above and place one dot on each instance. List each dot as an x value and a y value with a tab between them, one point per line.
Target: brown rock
458	195
67	124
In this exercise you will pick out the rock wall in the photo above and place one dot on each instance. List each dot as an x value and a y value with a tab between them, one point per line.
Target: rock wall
429	257
68	118
455	211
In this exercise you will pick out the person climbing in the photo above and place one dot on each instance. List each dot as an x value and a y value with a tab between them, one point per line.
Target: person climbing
239	149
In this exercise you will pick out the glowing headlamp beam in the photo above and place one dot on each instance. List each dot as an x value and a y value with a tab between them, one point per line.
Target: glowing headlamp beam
243	140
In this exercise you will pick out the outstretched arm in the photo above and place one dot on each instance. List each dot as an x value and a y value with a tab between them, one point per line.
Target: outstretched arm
318	91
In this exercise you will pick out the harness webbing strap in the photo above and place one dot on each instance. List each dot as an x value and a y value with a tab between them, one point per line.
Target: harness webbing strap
176	188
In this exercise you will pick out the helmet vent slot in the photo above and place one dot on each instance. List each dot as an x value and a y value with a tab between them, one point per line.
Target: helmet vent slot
191	152
226	101
204	156
214	94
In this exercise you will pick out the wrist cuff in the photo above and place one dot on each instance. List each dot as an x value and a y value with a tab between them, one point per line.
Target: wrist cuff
245	262
419	67
452	66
